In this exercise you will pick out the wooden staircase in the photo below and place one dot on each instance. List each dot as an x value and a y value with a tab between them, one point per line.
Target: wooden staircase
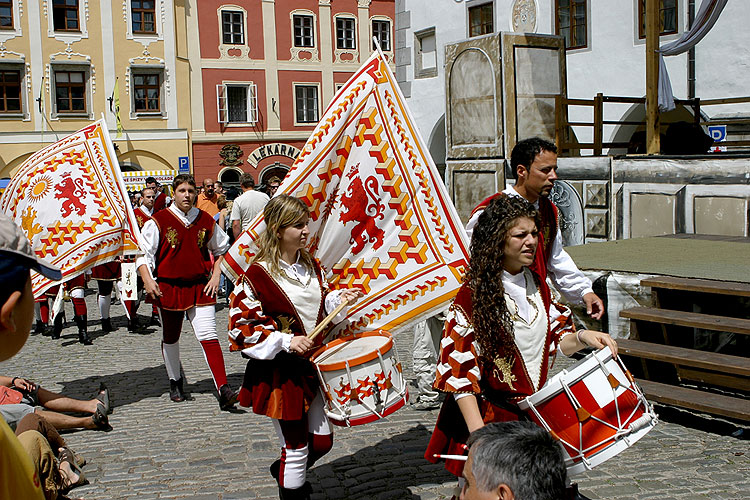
673	346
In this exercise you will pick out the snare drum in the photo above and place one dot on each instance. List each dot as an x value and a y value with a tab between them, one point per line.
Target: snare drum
596	410
361	378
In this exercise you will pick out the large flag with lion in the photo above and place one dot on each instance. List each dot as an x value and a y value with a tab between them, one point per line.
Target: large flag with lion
380	216
71	202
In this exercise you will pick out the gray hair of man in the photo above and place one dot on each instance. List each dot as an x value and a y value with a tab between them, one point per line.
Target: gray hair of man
521	455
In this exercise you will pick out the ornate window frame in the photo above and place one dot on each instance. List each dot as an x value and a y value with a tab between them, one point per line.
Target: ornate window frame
8	34
339	52
294	98
68	37
22	67
391	25
147	69
90	85
295	51
224	48
145	38
222	103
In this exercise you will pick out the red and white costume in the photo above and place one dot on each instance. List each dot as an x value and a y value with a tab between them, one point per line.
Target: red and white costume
551	258
177	248
498	383
267	311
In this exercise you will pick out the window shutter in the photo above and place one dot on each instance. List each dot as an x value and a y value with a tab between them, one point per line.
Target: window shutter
252	103
221	103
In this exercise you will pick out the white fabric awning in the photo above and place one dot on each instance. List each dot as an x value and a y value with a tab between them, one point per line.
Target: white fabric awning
135	181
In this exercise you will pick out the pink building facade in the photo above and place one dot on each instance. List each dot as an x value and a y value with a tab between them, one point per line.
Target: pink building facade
263	71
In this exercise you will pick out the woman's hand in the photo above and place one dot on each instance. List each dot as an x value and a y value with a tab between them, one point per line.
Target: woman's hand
300	344
212	287
351	295
598	340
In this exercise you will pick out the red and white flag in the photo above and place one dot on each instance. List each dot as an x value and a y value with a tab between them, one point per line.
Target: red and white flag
71	202
380	216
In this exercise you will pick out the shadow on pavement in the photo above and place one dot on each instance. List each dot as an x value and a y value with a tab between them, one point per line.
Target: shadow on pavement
386	469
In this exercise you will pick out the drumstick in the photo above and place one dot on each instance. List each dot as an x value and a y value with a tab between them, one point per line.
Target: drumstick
462	458
323	324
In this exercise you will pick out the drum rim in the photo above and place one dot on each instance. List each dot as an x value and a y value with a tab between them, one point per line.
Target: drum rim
341	365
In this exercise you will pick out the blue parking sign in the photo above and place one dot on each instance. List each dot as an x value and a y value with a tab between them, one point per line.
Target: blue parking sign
184	164
718	132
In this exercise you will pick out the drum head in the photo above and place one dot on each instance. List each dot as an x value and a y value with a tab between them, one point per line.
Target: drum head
351	349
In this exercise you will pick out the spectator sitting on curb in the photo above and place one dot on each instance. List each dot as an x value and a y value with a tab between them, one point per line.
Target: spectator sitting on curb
34	396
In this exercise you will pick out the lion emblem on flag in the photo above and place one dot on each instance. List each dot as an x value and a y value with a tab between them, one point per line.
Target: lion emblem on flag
363	205
71	191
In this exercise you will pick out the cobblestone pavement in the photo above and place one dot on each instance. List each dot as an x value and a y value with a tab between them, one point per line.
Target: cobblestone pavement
161	449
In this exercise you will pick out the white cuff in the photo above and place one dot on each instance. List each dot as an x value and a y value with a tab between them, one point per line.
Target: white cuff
286	341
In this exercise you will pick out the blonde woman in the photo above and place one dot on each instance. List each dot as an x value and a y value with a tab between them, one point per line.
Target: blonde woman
278	301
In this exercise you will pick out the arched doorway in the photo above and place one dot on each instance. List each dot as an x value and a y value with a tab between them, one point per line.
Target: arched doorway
275	169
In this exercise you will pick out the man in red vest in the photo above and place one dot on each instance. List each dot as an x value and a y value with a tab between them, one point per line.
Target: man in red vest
160	201
178	243
534	165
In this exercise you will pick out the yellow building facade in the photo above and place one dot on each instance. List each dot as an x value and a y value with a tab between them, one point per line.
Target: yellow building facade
66	63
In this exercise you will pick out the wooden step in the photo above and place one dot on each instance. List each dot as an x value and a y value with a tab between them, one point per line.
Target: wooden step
698	285
726	363
689	319
715	404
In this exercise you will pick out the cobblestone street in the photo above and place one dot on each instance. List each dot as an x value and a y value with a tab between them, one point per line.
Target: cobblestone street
161	449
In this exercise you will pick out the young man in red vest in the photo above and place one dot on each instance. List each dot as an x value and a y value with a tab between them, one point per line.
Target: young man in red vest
160	200
178	242
534	165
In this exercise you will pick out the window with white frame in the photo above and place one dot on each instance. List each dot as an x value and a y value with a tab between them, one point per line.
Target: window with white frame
6	15
11	83
304	27
65	15
381	31
70	90
425	53
237	103
232	27
345	33
147	91
306	103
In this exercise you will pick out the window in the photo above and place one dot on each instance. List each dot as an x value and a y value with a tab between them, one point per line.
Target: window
70	91
6	15
345	33
667	17
147	93
10	91
381	30
237	103
232	27
65	15
480	20
303	31
143	15
306	99
425	56
571	22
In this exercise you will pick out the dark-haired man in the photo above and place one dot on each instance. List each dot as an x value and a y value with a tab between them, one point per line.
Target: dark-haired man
534	165
178	243
160	199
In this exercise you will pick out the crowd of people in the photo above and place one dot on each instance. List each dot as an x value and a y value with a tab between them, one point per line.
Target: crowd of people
503	324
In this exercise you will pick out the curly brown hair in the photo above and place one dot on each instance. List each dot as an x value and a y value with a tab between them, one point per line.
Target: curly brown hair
493	323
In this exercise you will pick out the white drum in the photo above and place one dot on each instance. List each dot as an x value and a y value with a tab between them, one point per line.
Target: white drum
596	410
361	378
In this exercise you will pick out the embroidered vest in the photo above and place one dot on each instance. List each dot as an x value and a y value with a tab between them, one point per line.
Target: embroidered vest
141	217
277	304
183	250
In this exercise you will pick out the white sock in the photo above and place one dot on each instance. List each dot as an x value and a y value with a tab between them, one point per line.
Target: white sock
171	354
104	304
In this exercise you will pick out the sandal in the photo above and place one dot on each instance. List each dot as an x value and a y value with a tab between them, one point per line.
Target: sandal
100	419
103	396
67	455
80	459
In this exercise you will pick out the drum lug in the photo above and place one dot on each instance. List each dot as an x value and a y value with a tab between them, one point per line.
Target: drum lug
582	414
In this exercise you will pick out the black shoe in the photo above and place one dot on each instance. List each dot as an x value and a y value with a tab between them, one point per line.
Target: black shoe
274	469
100	418
107	325
83	336
133	325
176	393
57	326
301	493
572	493
227	397
40	328
154	321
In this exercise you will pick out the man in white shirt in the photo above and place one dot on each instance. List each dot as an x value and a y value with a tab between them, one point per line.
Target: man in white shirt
534	165
246	206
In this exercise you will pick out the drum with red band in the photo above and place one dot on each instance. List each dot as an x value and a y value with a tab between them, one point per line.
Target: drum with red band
596	410
361	378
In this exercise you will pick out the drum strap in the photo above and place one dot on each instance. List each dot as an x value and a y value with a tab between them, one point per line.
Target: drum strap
498	400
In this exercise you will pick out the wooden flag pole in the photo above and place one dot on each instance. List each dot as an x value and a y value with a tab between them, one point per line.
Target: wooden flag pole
653	122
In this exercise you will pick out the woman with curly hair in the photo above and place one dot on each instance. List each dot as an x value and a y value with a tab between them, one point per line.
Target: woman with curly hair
277	302
502	331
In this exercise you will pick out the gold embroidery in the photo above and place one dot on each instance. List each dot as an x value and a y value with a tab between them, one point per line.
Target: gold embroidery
201	237
503	367
172	237
285	323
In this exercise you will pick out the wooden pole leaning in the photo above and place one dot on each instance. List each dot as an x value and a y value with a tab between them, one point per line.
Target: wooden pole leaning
327	320
653	125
